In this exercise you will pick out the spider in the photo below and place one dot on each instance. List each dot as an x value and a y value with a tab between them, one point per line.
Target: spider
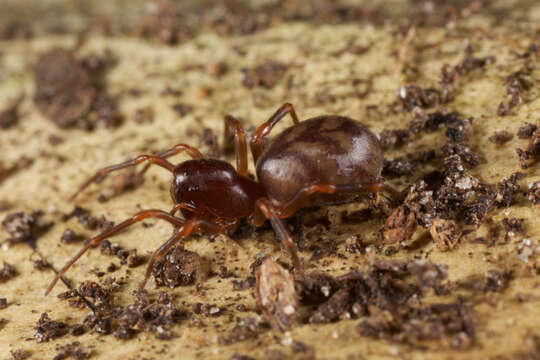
323	160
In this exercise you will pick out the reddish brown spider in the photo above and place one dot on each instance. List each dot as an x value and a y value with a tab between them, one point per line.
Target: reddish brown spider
326	159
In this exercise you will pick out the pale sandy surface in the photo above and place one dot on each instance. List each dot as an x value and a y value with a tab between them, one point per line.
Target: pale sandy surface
504	324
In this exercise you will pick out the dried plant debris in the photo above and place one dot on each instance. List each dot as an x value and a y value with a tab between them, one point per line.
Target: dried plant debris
7	272
445	233
276	295
179	267
265	75
9	117
400	225
68	91
47	329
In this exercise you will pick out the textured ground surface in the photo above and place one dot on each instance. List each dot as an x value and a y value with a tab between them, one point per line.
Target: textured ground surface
342	68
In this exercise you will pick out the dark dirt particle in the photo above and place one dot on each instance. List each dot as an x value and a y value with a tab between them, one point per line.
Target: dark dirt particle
400	225
500	137
69	93
412	96
147	314
475	212
87	220
433	121
330	310
523	157
526	130
265	75
3	303
77	330
245	329
445	233
206	309
470	62
98	294
217	68
104	110
533	193
47	329
514	226
209	144
7	272
182	109
241	357
74	350
20	354
178	267
144	115
55	139
22	226
276	295
515	85
69	236
507	189
9	116
398	167
497	281
391	139
64	92
274	354
464	152
239	285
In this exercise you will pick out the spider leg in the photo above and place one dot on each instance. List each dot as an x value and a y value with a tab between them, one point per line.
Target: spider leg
270	212
234	128
265	128
192	225
98	239
152	159
293	205
176	149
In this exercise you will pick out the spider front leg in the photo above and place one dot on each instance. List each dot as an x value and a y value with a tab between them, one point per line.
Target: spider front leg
98	239
234	128
152	159
176	149
266	127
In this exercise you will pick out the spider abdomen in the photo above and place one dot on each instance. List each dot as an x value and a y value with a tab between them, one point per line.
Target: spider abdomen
325	149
